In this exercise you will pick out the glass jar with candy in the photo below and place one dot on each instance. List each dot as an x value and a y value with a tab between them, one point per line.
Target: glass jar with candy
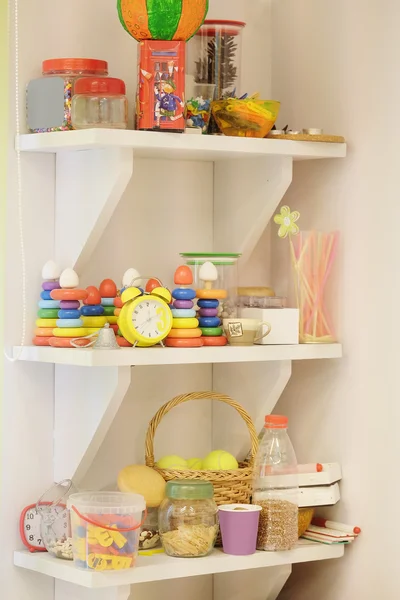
49	98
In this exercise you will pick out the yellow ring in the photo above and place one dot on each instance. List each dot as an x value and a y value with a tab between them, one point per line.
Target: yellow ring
70	332
211	294
94	321
112	320
46	323
191	323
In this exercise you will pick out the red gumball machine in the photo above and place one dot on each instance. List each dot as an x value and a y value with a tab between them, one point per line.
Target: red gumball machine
160	102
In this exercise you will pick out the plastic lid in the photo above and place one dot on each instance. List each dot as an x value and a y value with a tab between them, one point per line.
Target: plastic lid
102	85
276	422
75	64
107	503
186	489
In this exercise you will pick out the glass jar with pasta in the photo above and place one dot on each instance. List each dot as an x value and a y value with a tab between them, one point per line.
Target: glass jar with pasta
188	518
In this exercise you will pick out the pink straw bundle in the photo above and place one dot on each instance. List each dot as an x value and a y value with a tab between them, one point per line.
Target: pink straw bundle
313	254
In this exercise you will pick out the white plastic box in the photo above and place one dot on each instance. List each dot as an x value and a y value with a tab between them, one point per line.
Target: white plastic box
284	323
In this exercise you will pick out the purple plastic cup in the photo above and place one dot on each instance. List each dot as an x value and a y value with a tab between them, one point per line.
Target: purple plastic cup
239	527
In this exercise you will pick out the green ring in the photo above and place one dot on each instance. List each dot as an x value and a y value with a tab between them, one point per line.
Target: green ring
108	311
211	331
48	313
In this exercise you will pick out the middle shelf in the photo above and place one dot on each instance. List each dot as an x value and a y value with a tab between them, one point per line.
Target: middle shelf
174	356
161	567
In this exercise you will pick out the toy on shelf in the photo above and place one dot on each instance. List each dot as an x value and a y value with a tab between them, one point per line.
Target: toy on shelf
92	313
161	28
48	308
185	332
108	293
69	324
145	318
208	303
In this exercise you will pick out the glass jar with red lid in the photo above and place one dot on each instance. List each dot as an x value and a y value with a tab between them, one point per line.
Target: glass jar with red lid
99	102
49	98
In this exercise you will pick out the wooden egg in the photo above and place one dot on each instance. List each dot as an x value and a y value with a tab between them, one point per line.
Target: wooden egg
183	275
69	279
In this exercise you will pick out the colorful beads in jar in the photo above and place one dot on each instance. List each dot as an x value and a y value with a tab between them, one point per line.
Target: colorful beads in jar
198	107
49	98
99	102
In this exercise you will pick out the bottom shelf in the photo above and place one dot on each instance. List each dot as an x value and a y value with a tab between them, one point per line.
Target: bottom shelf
160	567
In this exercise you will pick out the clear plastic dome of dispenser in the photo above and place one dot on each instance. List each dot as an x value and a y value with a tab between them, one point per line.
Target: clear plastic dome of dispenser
214	56
224	277
55	527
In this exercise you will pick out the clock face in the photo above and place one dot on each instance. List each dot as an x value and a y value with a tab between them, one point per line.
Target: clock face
39	529
30	530
151	318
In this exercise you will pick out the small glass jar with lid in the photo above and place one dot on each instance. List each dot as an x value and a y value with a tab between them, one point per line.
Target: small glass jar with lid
49	98
225	278
188	518
100	102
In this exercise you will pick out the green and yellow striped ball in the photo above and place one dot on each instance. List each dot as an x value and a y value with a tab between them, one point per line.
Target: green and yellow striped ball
162	19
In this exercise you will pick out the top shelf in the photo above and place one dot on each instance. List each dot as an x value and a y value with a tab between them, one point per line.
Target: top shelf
149	144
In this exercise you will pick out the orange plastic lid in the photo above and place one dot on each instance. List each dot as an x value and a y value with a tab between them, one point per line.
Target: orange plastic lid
276	422
78	65
212	26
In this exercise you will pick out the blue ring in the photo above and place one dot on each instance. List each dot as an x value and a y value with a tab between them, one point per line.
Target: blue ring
183	313
208	303
69	323
183	294
209	322
45	296
49	304
69	314
107	301
92	311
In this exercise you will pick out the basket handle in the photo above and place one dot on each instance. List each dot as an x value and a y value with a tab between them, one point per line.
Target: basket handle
156	420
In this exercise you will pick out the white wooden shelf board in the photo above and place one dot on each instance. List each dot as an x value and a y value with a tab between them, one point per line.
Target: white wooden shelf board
331	473
174	356
322	495
161	567
148	144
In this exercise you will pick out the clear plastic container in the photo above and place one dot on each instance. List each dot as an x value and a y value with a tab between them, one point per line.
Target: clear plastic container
214	56
188	518
198	106
55	525
99	102
227	278
105	529
149	534
275	487
49	98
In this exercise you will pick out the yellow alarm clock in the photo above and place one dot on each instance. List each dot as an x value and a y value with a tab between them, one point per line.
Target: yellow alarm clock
145	318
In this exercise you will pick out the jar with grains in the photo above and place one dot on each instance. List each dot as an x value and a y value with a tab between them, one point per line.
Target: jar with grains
188	518
275	487
49	98
99	102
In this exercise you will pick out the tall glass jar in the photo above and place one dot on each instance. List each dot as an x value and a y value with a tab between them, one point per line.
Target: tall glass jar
49	98
227	277
275	487
99	102
188	518
214	56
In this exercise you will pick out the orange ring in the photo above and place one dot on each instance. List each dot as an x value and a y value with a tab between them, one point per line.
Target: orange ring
41	341
121	341
69	294
44	332
66	342
215	341
114	327
210	294
184	333
184	342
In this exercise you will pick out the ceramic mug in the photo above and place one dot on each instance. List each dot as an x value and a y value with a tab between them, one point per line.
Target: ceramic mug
245	332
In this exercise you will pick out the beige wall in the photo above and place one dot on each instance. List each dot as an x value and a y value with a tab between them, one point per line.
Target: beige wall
336	65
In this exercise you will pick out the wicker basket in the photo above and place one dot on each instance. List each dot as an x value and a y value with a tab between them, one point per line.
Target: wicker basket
229	486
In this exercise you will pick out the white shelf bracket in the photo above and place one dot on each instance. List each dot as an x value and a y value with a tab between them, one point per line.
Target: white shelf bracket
246	194
68	591
89	185
268	380
86	403
264	583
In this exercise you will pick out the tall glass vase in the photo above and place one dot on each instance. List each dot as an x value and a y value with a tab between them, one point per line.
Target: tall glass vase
313	254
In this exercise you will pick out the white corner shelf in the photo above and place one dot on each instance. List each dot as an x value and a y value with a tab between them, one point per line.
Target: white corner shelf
174	356
149	144
161	567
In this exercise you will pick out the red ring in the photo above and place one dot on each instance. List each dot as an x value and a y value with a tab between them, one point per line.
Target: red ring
219	340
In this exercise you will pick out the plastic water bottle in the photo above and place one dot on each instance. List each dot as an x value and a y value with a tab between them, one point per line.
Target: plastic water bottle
276	487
